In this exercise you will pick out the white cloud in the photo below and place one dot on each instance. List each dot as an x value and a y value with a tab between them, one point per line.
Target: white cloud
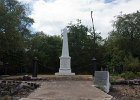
53	15
26	1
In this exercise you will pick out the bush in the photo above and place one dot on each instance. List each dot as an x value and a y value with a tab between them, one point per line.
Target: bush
130	75
131	63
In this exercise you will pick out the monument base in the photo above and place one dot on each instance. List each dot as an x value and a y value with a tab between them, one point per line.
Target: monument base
64	71
65	74
34	78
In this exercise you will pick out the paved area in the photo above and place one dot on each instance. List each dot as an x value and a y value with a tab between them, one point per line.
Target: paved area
68	90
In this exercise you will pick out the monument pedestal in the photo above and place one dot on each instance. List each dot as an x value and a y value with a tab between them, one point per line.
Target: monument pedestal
65	66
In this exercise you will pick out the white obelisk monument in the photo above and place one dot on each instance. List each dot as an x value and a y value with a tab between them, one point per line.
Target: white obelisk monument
65	59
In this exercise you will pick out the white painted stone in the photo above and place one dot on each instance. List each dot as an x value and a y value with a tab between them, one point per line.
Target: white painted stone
65	59
65	48
101	79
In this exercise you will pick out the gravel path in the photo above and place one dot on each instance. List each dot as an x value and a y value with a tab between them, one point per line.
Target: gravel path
68	90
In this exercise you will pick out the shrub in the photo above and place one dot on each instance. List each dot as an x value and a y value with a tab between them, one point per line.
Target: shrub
130	75
131	63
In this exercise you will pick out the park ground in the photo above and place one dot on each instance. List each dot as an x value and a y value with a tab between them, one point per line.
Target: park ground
118	92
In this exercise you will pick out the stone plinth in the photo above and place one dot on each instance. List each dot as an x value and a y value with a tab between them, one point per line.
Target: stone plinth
65	66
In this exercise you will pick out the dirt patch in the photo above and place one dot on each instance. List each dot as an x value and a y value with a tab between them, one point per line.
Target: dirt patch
125	92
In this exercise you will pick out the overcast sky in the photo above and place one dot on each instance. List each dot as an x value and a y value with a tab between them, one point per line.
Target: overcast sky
51	16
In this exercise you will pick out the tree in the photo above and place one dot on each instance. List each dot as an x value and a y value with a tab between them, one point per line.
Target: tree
47	49
127	31
124	40
14	23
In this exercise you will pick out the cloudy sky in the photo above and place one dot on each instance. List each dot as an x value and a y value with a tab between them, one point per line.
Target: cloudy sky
51	16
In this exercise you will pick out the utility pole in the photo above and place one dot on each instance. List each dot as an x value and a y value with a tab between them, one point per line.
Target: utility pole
94	61
94	39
